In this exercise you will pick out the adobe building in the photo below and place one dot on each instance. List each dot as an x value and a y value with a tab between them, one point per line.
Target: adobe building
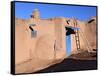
40	43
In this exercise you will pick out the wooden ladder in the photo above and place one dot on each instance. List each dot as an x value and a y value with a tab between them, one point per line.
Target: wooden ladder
77	36
89	48
86	42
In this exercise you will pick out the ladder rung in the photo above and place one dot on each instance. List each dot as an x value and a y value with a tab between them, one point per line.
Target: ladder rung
76	33
78	46
77	43
77	40
77	36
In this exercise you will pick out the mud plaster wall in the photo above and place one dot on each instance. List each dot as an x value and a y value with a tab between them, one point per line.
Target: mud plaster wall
89	32
86	30
39	52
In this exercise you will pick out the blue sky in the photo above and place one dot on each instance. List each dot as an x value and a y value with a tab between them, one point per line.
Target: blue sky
24	10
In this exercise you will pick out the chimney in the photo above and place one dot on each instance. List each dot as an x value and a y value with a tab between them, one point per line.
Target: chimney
35	14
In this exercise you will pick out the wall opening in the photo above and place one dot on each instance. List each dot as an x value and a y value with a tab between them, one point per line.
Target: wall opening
33	33
68	45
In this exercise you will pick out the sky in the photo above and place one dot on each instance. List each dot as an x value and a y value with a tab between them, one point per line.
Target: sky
83	13
24	10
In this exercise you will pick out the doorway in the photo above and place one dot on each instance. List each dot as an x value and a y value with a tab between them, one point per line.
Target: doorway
68	45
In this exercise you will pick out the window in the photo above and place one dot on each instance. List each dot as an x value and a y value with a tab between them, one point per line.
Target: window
33	33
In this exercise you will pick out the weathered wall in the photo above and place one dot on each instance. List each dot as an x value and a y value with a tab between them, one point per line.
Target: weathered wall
46	49
82	29
22	39
87	30
49	45
60	38
91	32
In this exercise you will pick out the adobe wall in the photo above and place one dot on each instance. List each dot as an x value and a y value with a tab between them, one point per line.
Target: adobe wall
46	49
49	45
60	38
22	39
89	32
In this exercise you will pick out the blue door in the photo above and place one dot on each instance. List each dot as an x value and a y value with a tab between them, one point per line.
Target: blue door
70	30
68	45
